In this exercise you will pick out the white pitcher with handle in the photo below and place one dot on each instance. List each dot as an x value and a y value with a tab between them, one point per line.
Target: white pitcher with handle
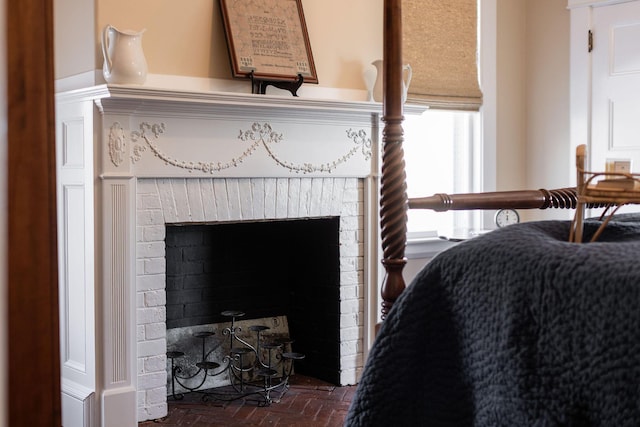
124	60
377	88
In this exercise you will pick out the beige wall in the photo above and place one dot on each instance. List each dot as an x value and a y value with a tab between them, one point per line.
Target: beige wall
510	94
548	150
187	38
73	37
532	147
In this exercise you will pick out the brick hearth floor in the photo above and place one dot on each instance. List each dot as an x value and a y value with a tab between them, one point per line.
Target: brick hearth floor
309	402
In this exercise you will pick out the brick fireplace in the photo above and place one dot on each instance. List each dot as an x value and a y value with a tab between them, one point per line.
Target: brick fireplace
304	198
195	156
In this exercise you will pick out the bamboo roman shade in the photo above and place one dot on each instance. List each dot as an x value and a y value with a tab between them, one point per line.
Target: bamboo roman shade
440	43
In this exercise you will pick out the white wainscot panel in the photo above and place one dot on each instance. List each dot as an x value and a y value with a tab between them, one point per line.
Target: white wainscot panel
72	141
74	153
74	350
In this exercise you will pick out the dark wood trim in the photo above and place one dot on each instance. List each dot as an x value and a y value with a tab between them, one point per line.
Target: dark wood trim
393	188
33	356
559	198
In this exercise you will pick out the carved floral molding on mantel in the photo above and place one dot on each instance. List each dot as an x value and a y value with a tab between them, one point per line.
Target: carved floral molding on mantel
260	134
117	144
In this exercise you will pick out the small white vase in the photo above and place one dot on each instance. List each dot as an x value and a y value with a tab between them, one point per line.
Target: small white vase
369	77
124	60
407	73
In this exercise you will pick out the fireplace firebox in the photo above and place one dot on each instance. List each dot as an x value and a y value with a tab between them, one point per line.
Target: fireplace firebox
265	269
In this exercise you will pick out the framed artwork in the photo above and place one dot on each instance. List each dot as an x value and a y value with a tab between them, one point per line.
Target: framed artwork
268	38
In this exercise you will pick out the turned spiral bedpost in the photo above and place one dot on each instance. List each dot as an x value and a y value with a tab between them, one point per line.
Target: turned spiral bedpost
393	195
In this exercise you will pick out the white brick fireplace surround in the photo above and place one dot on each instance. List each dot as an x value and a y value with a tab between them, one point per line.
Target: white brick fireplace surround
162	201
156	156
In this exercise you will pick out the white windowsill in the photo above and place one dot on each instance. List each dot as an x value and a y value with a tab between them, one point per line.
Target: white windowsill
426	247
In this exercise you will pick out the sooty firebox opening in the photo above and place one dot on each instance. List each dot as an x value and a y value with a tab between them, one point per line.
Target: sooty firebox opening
265	269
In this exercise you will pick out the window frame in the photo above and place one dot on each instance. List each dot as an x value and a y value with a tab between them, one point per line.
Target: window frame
417	247
467	167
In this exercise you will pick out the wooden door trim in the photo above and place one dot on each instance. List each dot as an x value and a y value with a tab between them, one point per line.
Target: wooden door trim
33	354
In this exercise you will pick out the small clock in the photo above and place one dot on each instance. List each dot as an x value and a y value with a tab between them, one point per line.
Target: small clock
506	217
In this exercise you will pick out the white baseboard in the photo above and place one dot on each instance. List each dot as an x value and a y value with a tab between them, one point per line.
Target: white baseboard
78	405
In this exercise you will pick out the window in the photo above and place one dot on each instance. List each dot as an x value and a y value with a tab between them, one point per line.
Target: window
442	155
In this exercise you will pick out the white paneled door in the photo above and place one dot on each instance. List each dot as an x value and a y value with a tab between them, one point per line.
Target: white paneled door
616	85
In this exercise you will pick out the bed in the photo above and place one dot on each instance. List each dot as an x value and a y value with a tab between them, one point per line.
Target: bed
515	327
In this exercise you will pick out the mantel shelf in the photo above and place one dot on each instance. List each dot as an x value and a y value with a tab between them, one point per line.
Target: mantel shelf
133	99
137	97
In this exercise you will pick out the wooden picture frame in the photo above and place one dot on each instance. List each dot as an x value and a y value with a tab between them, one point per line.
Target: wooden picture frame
268	38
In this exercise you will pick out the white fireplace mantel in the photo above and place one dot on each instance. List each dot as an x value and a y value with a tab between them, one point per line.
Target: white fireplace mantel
301	136
112	136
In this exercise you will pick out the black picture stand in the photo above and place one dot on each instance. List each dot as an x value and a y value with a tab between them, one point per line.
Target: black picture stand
259	86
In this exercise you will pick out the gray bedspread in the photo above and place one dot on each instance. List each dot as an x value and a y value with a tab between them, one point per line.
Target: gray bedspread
517	327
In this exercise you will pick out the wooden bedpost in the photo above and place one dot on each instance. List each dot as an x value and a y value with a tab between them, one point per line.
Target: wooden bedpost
393	194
